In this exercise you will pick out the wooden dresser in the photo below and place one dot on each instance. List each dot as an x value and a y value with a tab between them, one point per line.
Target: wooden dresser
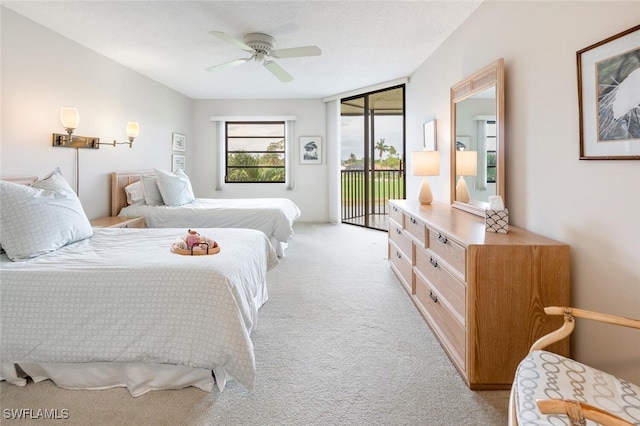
481	293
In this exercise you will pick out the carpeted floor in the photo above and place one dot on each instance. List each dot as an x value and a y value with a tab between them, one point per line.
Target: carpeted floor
338	343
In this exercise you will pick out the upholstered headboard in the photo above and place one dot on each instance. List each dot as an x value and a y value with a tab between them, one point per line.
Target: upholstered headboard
118	181
21	180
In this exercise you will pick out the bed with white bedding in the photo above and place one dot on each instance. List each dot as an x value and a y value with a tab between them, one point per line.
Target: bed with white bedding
273	216
115	307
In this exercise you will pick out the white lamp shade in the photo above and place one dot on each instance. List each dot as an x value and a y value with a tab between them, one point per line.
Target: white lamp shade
466	163
425	163
69	117
133	128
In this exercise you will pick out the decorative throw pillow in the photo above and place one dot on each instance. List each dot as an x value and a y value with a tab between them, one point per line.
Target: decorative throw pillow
135	193
151	191
175	188
40	218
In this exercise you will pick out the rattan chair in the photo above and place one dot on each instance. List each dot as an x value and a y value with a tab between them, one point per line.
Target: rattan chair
550	389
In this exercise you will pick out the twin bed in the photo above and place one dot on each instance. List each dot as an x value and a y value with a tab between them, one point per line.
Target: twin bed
104	307
273	216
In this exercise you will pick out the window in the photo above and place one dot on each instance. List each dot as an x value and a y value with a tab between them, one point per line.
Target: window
255	152
490	134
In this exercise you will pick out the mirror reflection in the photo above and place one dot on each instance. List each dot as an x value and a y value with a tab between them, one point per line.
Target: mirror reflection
476	146
477	156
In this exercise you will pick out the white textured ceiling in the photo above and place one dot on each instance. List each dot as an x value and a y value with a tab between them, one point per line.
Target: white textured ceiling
363	42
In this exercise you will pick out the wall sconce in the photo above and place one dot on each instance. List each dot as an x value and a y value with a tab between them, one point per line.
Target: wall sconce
425	163
70	118
133	128
466	165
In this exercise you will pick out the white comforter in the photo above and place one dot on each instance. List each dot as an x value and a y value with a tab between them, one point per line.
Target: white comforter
273	216
121	296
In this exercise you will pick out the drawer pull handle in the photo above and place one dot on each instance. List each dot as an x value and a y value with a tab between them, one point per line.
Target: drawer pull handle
433	297
395	209
398	231
399	255
413	221
433	262
442	239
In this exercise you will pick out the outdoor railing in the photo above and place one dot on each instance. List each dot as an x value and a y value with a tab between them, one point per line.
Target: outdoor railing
383	186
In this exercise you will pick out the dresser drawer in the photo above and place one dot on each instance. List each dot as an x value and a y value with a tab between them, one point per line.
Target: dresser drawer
400	238
416	228
449	287
401	265
449	331
450	251
396	214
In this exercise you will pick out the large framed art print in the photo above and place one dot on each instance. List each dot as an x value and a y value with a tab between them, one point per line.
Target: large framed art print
609	98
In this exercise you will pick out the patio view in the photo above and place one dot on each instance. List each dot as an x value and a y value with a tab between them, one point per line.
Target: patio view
372	156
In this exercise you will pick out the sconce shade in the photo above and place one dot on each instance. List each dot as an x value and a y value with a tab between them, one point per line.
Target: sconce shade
133	128
69	117
425	163
466	163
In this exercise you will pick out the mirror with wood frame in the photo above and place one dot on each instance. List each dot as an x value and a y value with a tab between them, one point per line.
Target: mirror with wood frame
477	139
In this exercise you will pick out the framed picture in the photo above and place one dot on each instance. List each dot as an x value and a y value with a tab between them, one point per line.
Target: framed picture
178	162
608	98
310	150
430	135
178	142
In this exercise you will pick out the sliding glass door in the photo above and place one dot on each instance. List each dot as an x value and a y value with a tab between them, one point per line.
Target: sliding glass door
372	156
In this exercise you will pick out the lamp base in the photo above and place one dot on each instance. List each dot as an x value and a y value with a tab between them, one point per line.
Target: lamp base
462	192
425	196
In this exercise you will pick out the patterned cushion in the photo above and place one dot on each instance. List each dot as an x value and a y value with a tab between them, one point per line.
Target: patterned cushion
175	188
40	218
545	375
152	194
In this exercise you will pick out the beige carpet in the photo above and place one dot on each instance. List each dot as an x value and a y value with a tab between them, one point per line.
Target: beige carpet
338	343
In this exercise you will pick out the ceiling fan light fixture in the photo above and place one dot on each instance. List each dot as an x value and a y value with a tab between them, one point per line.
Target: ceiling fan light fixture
260	45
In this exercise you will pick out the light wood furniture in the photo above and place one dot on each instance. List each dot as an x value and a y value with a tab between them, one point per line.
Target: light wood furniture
118	222
118	182
481	293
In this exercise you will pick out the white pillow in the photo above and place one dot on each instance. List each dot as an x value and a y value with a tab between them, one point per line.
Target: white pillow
175	188
41	218
135	193
152	194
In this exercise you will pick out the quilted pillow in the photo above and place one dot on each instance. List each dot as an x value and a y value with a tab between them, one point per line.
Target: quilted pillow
40	218
135	193
151	191
175	188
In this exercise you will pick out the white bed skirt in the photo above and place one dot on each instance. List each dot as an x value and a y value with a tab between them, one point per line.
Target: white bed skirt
137	378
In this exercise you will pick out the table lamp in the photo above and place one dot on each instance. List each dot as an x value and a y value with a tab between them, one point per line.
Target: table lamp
425	163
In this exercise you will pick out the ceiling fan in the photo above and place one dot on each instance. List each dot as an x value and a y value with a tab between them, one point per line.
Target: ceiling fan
261	47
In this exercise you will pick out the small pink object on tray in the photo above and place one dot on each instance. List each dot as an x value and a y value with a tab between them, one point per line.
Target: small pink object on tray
194	244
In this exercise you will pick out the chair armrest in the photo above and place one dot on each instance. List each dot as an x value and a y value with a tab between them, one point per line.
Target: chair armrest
578	412
570	314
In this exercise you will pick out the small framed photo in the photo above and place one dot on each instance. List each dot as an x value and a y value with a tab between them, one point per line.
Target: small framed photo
430	135
608	87
310	150
178	142
178	162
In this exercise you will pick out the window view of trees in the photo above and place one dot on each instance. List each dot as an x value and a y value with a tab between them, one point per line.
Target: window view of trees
255	152
387	158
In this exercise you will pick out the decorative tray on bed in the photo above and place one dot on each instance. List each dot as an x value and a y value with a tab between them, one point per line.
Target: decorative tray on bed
194	245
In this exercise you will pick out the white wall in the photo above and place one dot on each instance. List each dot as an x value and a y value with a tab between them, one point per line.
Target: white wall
43	71
592	205
310	182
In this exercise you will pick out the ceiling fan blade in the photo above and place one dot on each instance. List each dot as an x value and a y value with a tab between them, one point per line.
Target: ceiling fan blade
278	71
227	64
295	52
231	40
